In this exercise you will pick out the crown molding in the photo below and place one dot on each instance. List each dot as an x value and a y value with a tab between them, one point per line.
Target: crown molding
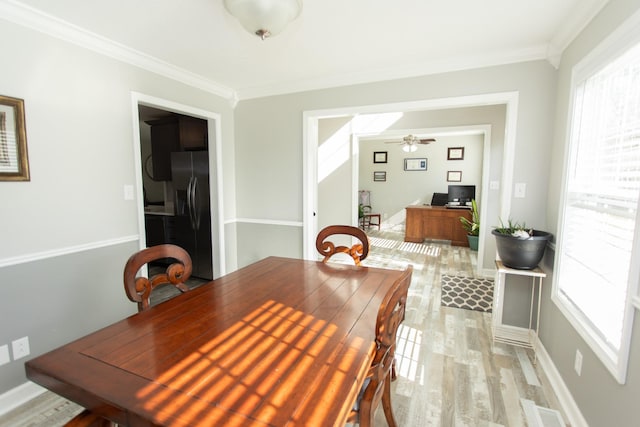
34	19
576	22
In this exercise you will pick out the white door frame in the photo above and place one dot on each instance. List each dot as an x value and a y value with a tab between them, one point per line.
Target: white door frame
310	151
215	179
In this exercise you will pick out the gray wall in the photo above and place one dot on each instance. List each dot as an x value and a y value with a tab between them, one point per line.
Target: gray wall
601	399
67	233
61	298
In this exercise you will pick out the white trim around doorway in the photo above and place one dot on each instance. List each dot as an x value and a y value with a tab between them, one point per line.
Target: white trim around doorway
215	158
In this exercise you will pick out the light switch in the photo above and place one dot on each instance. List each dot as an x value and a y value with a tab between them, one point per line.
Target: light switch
494	185
520	190
128	192
20	348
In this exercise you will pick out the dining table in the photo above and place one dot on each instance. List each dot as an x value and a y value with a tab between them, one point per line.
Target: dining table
280	342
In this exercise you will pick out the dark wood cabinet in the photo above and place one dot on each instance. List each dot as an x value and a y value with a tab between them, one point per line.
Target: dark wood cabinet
435	222
178	133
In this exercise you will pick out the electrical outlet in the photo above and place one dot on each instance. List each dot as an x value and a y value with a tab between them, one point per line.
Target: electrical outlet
520	190
578	363
494	185
4	355
20	348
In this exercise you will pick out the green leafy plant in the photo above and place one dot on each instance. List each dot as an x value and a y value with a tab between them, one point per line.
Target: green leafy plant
515	229
472	226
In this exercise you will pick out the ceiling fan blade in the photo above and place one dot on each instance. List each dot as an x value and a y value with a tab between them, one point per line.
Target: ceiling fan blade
427	140
393	142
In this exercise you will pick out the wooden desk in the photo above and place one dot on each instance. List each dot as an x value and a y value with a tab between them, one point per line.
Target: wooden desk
280	342
435	222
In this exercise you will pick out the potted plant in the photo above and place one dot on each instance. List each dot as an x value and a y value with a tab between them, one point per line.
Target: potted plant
519	246
472	226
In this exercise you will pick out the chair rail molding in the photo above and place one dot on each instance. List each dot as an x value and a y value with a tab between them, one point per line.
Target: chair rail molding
38	256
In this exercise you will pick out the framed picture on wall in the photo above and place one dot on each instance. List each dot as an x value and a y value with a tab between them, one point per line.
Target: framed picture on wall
379	157
14	163
380	176
455	153
454	176
415	164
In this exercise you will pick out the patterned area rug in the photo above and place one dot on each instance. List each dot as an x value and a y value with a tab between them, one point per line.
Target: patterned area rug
467	292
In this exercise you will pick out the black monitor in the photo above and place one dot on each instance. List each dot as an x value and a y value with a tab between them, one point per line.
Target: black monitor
463	193
439	199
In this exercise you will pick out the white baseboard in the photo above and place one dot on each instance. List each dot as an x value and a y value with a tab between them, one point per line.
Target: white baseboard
18	396
569	406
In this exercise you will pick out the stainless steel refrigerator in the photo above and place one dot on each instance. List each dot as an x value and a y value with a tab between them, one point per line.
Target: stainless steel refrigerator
192	222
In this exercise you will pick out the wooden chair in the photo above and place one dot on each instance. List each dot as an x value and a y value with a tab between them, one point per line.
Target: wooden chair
358	252
377	386
139	289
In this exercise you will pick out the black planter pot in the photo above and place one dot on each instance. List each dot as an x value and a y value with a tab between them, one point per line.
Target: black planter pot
521	254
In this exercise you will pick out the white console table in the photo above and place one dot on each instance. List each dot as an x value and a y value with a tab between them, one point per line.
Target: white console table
512	334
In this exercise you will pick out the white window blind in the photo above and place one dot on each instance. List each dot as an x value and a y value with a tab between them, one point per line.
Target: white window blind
601	200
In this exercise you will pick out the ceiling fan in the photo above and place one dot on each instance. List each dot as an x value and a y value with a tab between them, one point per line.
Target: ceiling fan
410	142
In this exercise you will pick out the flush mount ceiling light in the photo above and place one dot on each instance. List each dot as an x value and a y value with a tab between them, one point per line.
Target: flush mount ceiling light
264	18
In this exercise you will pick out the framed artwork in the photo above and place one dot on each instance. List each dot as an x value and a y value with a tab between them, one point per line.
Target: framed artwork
454	176
380	176
379	157
14	163
455	153
415	164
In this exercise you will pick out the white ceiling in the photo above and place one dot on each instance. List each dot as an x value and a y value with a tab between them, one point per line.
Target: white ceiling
331	43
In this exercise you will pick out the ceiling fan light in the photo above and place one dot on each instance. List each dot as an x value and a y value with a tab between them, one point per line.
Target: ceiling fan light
264	17
409	148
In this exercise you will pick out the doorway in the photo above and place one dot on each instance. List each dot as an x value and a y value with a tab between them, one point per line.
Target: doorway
498	206
163	208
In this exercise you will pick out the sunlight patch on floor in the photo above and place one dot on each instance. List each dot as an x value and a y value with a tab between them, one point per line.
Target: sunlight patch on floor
383	243
408	353
418	248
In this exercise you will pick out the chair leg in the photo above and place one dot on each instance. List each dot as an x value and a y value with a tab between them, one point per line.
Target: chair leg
386	403
365	417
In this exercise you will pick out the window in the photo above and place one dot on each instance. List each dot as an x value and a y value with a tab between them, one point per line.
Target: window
597	267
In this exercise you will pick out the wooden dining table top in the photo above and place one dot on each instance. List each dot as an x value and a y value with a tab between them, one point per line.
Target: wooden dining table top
279	342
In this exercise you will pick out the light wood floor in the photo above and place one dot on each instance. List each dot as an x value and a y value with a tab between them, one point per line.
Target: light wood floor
450	372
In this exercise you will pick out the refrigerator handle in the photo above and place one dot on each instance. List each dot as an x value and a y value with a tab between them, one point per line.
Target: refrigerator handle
195	204
190	201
